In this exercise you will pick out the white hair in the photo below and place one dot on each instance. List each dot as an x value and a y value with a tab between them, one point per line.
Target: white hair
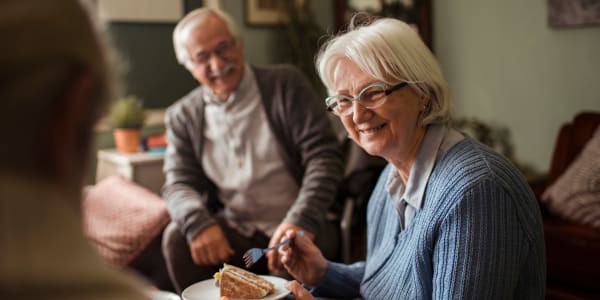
192	21
391	51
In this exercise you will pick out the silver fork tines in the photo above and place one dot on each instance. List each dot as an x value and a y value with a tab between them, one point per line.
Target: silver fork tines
253	255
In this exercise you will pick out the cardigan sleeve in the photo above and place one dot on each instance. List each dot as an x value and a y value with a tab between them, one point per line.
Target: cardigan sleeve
341	281
186	187
481	246
311	143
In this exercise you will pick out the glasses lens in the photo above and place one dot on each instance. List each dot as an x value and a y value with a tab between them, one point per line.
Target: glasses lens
202	58
343	105
372	96
222	50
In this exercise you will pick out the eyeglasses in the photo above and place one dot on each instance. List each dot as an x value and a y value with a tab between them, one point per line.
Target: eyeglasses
372	96
222	50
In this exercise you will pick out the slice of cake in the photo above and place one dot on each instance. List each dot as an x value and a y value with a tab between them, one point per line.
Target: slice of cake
238	283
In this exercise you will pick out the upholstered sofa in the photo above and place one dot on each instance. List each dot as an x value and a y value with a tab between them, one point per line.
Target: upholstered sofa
572	248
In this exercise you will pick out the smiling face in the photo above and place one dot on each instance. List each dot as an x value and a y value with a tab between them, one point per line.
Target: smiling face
390	130
217	58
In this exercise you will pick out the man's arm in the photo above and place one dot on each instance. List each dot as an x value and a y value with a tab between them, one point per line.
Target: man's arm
319	153
186	187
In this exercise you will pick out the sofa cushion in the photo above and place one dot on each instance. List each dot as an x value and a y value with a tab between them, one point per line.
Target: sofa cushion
575	195
121	218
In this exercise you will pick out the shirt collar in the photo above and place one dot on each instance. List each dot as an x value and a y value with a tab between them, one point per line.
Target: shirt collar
438	139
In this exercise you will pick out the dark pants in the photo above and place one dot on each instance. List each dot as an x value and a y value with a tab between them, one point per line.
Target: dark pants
184	272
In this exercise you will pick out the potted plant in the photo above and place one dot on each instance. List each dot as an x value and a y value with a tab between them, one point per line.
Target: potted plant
127	118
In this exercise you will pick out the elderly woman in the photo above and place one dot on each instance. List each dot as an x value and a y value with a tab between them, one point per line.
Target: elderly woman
449	217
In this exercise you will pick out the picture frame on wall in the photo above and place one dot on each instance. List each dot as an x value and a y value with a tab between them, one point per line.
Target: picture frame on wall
416	13
270	12
146	11
573	13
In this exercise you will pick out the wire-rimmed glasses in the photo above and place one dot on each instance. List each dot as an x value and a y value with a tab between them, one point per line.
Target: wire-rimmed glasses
372	96
222	50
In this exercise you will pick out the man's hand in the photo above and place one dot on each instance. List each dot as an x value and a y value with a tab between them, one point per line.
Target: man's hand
274	263
210	247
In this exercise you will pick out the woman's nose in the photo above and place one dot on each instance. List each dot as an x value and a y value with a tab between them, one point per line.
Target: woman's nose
359	112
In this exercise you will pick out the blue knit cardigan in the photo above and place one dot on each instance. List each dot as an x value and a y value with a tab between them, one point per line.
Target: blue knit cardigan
479	235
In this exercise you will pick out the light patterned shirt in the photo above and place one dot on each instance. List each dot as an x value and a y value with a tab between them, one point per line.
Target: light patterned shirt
240	156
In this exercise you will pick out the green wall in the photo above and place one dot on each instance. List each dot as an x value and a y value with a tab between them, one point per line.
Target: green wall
147	63
507	66
261	43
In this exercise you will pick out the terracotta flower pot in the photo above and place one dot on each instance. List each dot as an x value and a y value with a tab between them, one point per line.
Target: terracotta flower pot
127	140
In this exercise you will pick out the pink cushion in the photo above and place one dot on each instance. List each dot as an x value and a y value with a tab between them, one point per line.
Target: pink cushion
121	218
575	195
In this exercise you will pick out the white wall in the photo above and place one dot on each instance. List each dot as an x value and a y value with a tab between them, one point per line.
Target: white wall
506	66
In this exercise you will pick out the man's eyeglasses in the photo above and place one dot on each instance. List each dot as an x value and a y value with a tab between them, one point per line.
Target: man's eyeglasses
222	50
372	96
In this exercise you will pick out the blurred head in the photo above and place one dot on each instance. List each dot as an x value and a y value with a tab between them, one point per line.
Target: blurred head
54	82
399	85
207	43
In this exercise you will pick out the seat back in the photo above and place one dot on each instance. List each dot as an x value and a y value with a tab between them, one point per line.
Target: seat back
360	176
571	139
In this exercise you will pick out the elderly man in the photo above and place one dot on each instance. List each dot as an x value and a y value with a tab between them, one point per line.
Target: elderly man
250	154
54	81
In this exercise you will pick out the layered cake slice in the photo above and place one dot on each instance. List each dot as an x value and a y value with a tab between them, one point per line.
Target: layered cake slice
238	283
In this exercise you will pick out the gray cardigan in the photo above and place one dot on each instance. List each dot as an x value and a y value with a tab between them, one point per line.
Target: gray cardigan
306	143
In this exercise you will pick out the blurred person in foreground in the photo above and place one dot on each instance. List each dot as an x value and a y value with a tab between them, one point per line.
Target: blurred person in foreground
449	218
251	154
54	83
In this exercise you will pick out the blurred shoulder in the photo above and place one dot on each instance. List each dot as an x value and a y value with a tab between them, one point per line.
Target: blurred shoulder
186	105
281	71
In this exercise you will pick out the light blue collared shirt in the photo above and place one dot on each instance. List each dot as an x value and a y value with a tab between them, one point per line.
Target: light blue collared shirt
409	197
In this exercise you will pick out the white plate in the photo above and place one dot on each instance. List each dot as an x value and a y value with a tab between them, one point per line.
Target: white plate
206	290
161	295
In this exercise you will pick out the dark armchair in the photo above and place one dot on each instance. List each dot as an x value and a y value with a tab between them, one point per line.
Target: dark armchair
572	249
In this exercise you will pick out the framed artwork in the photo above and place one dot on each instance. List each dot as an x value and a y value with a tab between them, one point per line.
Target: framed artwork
270	12
146	11
414	12
567	13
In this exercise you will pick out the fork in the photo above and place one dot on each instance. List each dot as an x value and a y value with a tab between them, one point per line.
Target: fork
253	255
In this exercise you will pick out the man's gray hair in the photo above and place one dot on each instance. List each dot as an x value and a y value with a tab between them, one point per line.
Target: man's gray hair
190	22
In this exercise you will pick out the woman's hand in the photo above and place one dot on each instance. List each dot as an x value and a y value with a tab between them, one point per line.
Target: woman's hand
299	292
274	262
302	259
